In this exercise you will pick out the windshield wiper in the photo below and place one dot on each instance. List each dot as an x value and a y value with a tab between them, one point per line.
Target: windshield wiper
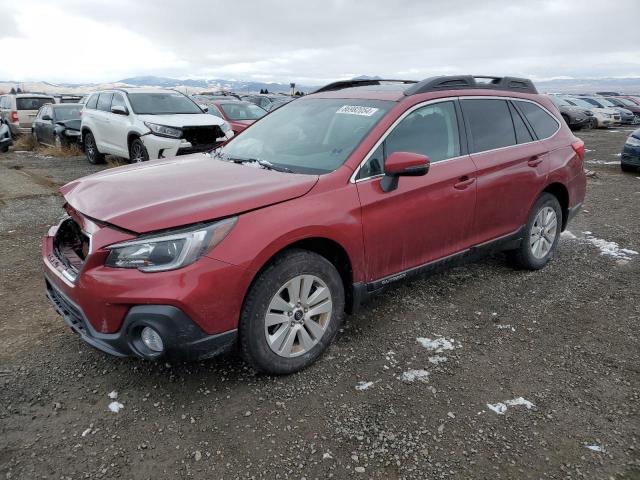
263	163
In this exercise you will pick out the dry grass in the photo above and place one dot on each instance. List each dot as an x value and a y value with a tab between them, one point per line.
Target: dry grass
116	161
25	142
64	152
28	143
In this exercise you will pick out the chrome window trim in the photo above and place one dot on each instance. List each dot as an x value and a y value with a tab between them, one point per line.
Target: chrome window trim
383	137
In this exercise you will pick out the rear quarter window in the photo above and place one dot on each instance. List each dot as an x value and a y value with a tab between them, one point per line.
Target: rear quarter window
92	101
543	124
490	123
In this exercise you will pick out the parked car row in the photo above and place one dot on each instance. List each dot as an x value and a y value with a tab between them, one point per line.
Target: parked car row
597	111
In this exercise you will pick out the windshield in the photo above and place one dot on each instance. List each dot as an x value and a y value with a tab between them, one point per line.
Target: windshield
580	103
242	111
606	103
67	113
625	102
309	136
162	103
32	103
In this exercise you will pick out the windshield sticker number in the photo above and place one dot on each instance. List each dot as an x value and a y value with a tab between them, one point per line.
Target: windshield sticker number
357	110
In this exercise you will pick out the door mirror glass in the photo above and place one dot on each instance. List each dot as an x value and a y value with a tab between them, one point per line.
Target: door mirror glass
204	108
47	118
119	110
403	164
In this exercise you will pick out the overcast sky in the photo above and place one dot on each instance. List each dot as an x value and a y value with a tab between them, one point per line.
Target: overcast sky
312	42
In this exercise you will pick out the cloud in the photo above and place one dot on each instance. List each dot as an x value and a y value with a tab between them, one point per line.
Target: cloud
313	41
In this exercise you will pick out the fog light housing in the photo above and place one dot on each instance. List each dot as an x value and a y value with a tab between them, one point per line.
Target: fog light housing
152	339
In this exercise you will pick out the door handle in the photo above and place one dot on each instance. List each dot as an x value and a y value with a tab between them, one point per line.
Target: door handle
463	182
534	161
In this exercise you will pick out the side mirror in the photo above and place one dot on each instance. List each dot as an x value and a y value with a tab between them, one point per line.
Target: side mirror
403	164
47	118
119	110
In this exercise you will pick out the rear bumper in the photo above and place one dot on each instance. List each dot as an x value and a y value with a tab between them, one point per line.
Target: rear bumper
182	338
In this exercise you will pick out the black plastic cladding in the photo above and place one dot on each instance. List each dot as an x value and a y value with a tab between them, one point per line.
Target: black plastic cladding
434	84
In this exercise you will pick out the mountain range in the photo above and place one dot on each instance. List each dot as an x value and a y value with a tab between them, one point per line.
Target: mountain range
560	85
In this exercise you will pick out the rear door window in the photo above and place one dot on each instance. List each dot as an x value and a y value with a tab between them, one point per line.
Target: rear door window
104	102
31	103
543	124
490	123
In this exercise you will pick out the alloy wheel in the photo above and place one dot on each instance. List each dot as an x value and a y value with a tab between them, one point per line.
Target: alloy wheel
137	154
543	232
298	316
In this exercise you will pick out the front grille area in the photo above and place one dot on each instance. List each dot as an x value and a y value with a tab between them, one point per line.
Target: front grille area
71	245
203	136
67	310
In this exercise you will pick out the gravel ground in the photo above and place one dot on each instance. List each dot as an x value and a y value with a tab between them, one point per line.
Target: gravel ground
384	402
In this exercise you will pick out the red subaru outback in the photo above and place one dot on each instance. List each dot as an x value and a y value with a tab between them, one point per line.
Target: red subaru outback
268	240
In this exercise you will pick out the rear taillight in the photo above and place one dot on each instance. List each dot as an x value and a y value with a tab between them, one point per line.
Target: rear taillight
578	147
13	117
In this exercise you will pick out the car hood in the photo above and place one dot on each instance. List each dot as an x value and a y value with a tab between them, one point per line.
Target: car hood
183	120
73	124
180	191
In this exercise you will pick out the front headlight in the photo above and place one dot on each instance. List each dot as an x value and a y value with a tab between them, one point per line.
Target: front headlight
164	130
170	250
633	142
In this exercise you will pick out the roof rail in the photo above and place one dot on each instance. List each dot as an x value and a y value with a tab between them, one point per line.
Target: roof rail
362	82
465	82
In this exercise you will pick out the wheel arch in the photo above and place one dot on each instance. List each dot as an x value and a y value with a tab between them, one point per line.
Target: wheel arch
326	247
131	136
560	191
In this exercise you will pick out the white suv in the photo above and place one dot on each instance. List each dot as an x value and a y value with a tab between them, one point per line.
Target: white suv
142	124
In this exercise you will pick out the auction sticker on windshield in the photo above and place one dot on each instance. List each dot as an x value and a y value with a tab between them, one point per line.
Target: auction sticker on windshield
357	110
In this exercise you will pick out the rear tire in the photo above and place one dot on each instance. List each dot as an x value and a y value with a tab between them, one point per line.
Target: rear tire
279	331
91	150
542	233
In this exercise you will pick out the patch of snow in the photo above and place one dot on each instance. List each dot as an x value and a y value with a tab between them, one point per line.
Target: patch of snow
608	248
436	359
595	448
506	327
501	407
438	344
363	385
115	407
587	150
413	375
603	162
113	395
616	154
86	432
613	131
611	249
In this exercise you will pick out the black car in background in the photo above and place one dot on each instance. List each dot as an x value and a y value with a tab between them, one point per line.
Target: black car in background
576	117
630	158
58	124
5	138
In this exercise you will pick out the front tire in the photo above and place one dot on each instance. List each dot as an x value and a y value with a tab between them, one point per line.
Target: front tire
91	149
292	313
138	152
627	168
542	234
